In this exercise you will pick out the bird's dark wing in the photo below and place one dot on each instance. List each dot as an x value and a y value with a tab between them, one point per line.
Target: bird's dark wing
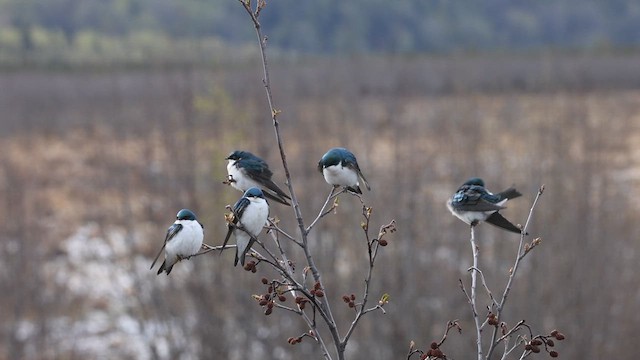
364	180
238	210
171	233
500	221
510	193
275	198
259	171
473	198
351	163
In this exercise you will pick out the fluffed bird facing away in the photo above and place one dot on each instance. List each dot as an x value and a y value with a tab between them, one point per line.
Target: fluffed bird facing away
340	168
472	203
250	214
183	240
246	170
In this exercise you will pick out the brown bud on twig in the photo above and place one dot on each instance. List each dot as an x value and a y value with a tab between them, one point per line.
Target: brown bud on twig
550	343
553	354
434	345
346	298
535	349
265	280
560	336
268	311
282	298
554	333
263	302
383	242
319	293
536	342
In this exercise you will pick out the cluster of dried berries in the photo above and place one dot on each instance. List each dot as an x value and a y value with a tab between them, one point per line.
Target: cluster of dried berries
493	320
350	300
317	290
251	266
434	352
301	301
265	300
534	344
269	297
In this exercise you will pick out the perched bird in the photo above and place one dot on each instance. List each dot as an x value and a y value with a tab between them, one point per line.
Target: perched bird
340	168
472	203
246	170
183	240
250	214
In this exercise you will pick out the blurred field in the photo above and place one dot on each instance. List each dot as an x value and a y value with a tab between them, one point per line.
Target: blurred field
95	164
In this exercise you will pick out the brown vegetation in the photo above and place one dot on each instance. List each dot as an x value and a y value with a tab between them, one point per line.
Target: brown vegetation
106	159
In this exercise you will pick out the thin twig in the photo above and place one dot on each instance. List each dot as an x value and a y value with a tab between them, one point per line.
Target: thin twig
520	255
484	284
476	319
322	213
331	324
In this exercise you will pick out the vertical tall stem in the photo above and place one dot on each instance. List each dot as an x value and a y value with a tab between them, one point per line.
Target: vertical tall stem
474	271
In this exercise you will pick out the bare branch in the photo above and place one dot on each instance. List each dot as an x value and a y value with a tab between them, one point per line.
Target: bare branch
520	255
478	324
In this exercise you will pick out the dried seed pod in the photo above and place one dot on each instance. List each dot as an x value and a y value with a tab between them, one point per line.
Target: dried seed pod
550	343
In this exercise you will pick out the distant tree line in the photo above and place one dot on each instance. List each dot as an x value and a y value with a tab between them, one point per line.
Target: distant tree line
355	26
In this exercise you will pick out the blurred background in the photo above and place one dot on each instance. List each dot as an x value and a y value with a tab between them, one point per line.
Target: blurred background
115	114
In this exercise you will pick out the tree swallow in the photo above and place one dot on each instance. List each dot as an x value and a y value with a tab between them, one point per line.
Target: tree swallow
183	240
340	168
246	170
472	203
250	214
